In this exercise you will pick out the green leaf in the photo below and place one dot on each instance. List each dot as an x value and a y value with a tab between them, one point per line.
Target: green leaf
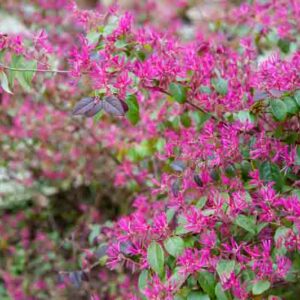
98	116
230	171
170	213
141	55
297	158
281	232
4	83
95	231
180	230
179	297
260	287
119	44
200	118
178	92
25	77
245	169
201	202
284	45
93	37
194	295
177	279
207	282
245	116
185	120
261	226
225	267
145	148
160	144
189	241
109	29
278	109
2	53
191	282
142	282
297	97
174	245
205	89
292	138
220	85
291	105
271	173
133	113
15	63
248	276
155	258
220	293
110	26
3	292
133	155
246	222
296	192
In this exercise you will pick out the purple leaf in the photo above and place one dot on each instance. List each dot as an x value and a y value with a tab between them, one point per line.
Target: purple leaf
259	95
94	110
276	93
60	278
125	247
83	106
198	180
175	187
101	251
88	107
178	165
97	57
114	106
76	278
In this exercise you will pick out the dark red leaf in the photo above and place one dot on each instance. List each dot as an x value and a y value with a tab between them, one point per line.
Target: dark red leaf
84	276
125	106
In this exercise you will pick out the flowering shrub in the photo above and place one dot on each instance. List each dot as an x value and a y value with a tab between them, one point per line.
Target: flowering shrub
198	120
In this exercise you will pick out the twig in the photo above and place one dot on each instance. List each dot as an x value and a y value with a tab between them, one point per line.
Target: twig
159	89
201	109
34	70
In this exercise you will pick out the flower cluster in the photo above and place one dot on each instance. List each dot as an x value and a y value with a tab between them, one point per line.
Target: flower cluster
202	123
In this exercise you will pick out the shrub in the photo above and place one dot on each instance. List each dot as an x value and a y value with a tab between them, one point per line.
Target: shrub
201	122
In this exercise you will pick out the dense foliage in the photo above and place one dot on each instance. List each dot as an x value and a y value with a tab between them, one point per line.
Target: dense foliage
184	115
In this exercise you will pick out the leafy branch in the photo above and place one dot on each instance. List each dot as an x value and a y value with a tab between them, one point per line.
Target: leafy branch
34	70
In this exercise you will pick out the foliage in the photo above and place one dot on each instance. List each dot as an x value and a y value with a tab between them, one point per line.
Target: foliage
196	120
